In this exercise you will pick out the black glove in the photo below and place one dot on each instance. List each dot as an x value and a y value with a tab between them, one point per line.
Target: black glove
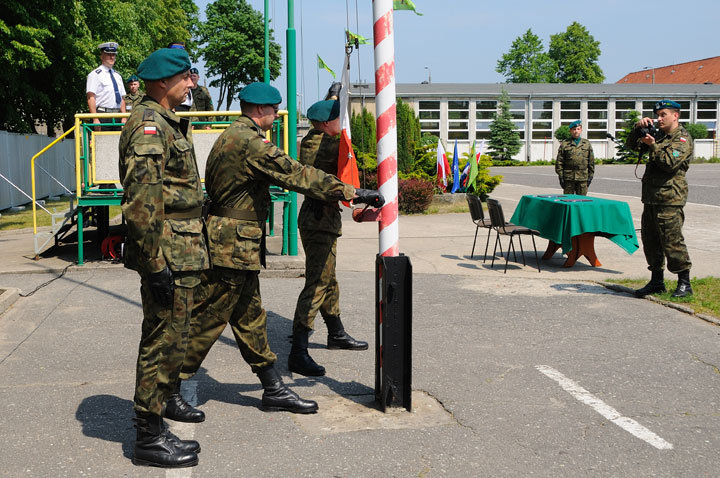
162	287
334	91
369	196
562	182
589	180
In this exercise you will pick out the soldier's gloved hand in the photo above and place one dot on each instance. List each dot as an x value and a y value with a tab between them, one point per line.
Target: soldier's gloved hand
562	182
162	287
334	91
590	178
368	196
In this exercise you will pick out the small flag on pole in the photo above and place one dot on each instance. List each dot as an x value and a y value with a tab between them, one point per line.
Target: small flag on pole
323	65
443	168
405	5
347	164
456	171
360	39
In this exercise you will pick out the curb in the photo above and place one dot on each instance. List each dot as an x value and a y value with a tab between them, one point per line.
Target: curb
8	296
672	305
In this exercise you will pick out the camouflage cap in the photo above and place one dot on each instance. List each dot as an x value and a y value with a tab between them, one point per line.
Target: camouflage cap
575	124
260	93
662	104
164	63
132	78
326	110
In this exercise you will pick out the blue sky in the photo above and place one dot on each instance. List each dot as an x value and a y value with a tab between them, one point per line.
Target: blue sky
460	41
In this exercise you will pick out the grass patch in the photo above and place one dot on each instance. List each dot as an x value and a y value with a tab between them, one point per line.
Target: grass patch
705	298
24	219
447	208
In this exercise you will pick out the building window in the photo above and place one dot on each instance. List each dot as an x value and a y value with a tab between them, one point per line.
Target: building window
517	110
569	112
622	109
429	114
706	113
458	119
484	115
542	119
597	125
684	110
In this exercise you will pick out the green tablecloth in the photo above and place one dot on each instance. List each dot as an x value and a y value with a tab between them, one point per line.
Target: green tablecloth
560	217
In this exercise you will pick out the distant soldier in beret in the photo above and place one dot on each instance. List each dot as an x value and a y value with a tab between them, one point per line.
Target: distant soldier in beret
664	193
320	226
162	204
135	94
240	169
201	100
104	86
575	164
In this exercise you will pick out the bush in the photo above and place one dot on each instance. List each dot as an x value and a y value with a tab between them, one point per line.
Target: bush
414	195
563	133
697	130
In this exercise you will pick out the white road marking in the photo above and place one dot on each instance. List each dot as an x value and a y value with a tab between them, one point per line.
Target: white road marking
184	431
627	424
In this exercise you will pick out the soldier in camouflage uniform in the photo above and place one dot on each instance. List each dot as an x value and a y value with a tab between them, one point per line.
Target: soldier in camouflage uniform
162	204
320	226
664	193
575	164
201	98
135	94
240	168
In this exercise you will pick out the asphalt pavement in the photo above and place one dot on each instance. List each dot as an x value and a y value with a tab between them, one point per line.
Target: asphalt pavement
517	374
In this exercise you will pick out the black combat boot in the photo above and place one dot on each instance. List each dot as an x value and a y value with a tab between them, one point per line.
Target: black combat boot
339	339
185	446
278	397
153	448
683	286
656	284
299	360
179	410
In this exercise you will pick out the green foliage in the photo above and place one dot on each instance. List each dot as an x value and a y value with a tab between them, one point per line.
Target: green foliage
504	141
575	54
232	39
624	154
362	131
414	195
484	183
563	133
526	62
697	130
408	135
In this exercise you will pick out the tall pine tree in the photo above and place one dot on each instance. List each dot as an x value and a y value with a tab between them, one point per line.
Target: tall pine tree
504	141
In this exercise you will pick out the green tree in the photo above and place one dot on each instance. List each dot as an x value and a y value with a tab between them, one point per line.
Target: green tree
504	142
631	119
697	130
408	135
232	39
575	54
362	131
563	133
526	62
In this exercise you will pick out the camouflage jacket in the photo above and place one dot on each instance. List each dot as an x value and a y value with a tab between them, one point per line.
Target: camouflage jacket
131	101
241	166
160	179
320	150
575	162
664	181
201	102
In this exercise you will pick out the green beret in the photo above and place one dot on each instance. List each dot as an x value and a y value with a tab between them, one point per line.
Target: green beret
661	105
575	124
326	110
260	93
133	78
164	63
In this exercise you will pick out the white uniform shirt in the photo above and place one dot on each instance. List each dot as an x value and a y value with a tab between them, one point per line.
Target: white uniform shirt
99	82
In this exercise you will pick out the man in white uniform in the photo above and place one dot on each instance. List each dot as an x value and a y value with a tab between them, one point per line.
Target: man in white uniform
104	87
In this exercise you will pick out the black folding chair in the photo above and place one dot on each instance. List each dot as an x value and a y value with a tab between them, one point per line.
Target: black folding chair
478	218
497	219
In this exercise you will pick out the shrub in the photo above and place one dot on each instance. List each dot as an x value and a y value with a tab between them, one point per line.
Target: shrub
563	133
697	130
414	195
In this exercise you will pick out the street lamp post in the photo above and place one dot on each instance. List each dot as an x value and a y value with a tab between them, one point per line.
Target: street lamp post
653	72
429	80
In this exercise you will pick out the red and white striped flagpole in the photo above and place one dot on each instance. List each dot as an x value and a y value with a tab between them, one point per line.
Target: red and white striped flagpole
384	40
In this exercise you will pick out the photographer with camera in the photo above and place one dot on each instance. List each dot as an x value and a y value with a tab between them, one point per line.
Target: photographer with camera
575	164
664	193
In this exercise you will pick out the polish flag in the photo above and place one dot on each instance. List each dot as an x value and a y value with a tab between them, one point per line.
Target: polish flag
443	168
347	164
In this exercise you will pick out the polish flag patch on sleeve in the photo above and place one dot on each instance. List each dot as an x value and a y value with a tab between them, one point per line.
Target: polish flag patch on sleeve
683	140
150	130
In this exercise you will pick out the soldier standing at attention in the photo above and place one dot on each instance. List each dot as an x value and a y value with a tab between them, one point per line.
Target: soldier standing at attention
135	94
664	193
104	86
201	97
162	203
320	226
575	164
240	168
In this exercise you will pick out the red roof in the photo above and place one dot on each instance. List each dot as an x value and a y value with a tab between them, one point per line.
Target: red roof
692	72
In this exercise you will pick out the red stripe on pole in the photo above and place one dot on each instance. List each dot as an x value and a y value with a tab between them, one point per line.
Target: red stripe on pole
387	169
386	122
383	27
384	75
389	215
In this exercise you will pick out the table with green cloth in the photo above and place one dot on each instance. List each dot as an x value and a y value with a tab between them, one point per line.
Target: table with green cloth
569	221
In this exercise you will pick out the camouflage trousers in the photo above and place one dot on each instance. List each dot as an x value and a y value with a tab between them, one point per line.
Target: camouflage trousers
228	296
163	343
321	291
575	187
662	237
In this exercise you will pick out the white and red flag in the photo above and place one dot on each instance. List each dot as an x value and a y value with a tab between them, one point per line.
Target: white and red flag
443	168
347	164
